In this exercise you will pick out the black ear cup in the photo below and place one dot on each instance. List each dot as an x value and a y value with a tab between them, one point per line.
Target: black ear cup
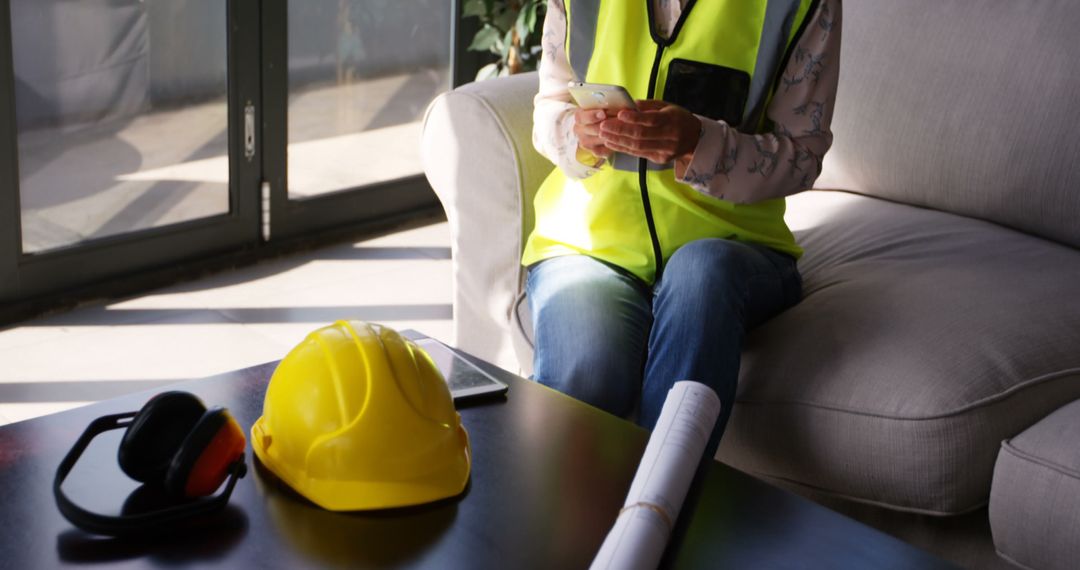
157	433
183	461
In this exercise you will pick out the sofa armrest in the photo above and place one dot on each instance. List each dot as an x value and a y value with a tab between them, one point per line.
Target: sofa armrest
478	156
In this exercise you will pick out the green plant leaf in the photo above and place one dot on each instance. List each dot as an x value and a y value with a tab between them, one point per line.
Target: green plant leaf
477	8
486	39
526	21
504	20
507	41
489	71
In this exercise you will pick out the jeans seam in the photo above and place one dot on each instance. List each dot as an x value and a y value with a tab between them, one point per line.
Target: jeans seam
792	292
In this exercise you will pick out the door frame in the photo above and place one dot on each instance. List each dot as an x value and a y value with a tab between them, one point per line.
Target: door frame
126	263
290	218
25	277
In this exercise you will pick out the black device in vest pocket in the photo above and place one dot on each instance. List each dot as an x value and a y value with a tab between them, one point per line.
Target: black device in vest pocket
713	91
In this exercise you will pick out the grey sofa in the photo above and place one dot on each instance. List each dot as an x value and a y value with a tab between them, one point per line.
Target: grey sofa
941	310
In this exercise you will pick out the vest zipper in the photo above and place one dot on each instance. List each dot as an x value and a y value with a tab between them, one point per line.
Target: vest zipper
643	169
643	164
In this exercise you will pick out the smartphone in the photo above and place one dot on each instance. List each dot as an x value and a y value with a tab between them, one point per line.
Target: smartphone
601	96
466	380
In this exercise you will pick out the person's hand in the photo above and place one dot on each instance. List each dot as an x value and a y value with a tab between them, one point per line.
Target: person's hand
587	128
658	131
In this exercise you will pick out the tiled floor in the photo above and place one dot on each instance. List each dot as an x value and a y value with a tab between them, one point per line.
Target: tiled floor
227	321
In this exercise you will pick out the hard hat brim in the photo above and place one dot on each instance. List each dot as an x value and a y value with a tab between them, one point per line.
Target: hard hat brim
353	495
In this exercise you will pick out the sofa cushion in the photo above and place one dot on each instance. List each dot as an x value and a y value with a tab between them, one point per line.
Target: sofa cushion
923	340
1035	499
967	107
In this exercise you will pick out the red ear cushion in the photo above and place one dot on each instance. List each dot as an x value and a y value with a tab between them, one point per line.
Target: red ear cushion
212	467
202	463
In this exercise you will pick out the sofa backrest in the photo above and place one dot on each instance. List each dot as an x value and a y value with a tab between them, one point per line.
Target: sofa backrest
963	106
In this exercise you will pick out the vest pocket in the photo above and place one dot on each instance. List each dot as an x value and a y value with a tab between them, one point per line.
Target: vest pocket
712	91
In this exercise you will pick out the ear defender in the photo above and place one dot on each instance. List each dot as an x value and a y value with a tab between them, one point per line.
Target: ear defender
172	441
202	463
156	434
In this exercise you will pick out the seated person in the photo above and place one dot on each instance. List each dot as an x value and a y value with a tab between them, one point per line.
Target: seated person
660	236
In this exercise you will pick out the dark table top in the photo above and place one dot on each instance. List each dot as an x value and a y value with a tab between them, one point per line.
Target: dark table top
548	479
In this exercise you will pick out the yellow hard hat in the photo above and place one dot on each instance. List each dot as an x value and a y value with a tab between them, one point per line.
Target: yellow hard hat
358	417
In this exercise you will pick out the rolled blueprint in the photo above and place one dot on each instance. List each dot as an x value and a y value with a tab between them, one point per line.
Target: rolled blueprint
663	478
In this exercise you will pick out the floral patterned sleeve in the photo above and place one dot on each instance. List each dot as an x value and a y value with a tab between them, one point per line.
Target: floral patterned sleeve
744	168
553	112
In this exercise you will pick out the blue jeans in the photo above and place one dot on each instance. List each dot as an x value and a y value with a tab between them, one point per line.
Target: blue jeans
605	337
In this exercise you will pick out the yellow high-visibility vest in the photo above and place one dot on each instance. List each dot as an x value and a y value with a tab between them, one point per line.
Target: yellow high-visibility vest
633	213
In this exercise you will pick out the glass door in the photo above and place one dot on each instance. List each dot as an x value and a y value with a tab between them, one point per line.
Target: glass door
128	137
346	84
138	135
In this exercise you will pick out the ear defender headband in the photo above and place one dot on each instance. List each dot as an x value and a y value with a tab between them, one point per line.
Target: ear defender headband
173	441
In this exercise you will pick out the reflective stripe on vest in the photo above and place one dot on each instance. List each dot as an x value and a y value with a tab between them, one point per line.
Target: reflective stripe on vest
635	214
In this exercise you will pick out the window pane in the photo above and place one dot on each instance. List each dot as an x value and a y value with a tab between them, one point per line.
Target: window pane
122	115
361	73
